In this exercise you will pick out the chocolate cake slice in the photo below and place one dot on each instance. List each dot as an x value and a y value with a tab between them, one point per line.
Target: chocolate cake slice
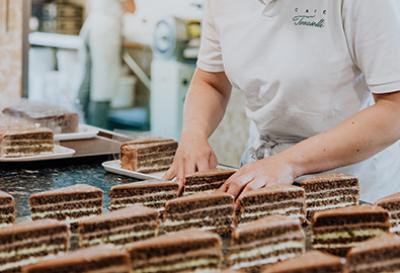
271	200
329	191
99	259
336	231
70	203
265	241
26	142
57	119
152	194
29	242
211	211
392	204
7	209
310	262
148	155
206	181
185	251
119	227
381	254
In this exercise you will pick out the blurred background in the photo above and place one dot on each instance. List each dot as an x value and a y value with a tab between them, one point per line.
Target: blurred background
123	65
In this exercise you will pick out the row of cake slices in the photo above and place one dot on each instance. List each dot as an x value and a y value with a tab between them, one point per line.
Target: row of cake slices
274	244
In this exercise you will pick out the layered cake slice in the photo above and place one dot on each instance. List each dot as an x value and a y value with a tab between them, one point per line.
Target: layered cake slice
29	242
208	211
7	209
148	155
206	181
336	231
185	251
152	194
329	191
26	142
271	200
70	203
99	259
265	241
119	227
381	254
392	204
310	262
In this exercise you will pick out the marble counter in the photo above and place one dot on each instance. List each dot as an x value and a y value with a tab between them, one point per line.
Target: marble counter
23	182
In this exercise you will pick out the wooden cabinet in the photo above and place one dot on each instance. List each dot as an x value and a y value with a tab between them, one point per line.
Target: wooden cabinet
14	27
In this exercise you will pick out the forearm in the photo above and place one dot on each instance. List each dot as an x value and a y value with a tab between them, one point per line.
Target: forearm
206	103
355	140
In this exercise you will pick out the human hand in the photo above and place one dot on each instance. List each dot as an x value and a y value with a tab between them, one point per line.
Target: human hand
268	171
194	154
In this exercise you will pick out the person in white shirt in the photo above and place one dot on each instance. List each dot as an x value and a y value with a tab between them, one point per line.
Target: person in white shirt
322	82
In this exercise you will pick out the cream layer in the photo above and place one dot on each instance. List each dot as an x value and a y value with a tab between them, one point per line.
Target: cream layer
366	265
57	212
31	250
80	201
211	208
34	240
175	223
310	194
336	206
294	212
178	266
155	194
117	237
325	199
349	234
267	249
125	228
269	260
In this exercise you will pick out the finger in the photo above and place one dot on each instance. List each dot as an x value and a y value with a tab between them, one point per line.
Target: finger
254	185
203	164
190	167
213	161
224	186
170	174
237	185
180	173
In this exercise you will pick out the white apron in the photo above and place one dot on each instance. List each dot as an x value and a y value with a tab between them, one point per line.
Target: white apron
305	66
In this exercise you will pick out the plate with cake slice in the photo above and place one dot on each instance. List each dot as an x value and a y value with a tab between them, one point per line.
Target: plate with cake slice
59	152
84	132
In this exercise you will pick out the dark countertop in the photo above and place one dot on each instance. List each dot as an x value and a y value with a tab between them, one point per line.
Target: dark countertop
23	181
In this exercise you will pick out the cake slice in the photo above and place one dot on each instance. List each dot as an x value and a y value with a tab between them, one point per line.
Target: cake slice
70	203
29	242
119	227
206	181
152	194
329	191
392	204
208	211
271	200
336	231
310	262
185	251
7	209
148	155
25	142
265	241
381	254
99	259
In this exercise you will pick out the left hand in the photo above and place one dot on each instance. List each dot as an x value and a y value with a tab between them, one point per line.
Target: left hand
268	171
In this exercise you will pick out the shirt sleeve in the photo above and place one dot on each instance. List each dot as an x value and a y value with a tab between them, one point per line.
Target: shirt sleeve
210	55
372	28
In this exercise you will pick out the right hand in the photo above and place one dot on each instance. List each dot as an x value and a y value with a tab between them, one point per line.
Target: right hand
194	154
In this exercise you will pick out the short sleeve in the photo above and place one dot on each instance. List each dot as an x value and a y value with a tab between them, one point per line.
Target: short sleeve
210	56
372	28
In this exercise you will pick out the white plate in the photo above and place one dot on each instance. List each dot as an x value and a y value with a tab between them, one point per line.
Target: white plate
114	166
85	132
59	153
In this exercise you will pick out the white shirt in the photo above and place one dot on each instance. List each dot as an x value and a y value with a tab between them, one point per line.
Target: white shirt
305	66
